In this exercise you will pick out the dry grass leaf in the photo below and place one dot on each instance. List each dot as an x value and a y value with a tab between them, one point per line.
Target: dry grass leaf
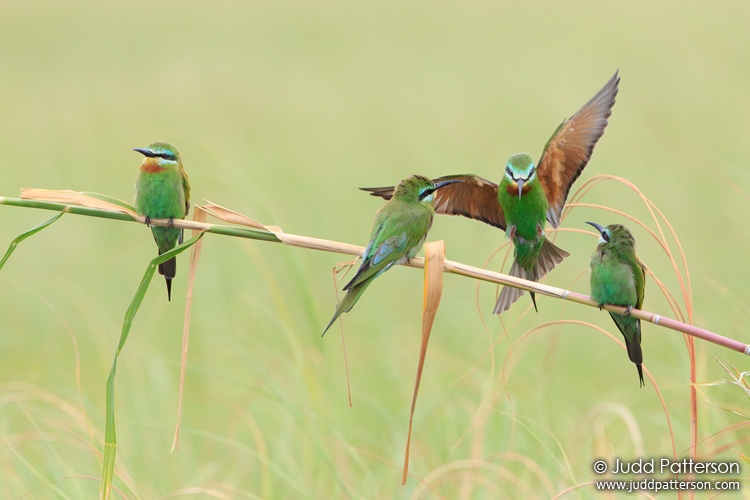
433	289
77	198
233	217
199	215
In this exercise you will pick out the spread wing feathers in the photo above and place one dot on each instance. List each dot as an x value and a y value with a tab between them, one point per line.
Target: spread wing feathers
394	239
385	192
549	256
569	149
475	198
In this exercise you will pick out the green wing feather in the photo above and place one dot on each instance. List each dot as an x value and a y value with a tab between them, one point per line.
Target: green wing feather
185	189
397	234
629	326
640	283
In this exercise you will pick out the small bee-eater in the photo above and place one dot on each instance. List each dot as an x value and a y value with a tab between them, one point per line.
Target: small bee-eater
397	234
618	277
529	192
162	191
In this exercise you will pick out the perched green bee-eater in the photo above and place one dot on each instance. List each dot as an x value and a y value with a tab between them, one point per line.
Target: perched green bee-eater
618	277
397	234
162	191
529	192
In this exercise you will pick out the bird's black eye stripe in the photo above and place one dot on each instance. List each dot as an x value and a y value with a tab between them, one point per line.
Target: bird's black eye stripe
424	194
166	156
528	177
524	179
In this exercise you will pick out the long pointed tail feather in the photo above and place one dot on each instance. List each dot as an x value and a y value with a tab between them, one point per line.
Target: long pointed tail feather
631	331
346	304
634	350
168	269
549	256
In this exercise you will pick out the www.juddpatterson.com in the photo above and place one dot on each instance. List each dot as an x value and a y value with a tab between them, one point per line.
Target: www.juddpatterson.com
655	485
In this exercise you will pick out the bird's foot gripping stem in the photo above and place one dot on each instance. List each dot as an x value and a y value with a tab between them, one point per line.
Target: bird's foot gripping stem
171	222
628	310
148	221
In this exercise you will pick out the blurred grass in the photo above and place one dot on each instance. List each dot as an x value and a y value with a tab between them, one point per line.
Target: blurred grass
280	111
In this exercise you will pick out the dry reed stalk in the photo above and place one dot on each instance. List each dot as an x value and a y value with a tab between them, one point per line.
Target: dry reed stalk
275	234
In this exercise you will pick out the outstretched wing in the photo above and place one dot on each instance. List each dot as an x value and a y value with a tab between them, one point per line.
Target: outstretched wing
475	198
385	192
569	149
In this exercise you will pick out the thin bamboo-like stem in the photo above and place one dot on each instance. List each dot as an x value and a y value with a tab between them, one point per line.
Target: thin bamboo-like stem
418	262
239	232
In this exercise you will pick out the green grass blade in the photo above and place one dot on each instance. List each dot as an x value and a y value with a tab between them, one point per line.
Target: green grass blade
305	424
110	437
25	235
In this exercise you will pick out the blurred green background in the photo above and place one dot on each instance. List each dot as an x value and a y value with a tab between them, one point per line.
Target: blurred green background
280	111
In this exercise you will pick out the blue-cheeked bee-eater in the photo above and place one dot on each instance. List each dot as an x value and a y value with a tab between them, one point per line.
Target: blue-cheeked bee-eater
618	277
397	234
162	191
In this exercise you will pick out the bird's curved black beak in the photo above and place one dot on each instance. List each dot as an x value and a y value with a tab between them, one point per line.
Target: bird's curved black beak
597	227
144	152
520	188
440	184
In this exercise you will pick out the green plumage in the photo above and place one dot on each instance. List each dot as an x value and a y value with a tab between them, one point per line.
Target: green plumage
397	234
618	277
524	203
163	192
525	216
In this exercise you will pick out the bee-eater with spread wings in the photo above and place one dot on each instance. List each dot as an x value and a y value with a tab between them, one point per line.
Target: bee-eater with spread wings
530	192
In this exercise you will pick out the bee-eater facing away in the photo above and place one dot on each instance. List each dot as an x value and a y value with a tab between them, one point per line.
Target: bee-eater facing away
529	192
162	191
397	234
618	277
